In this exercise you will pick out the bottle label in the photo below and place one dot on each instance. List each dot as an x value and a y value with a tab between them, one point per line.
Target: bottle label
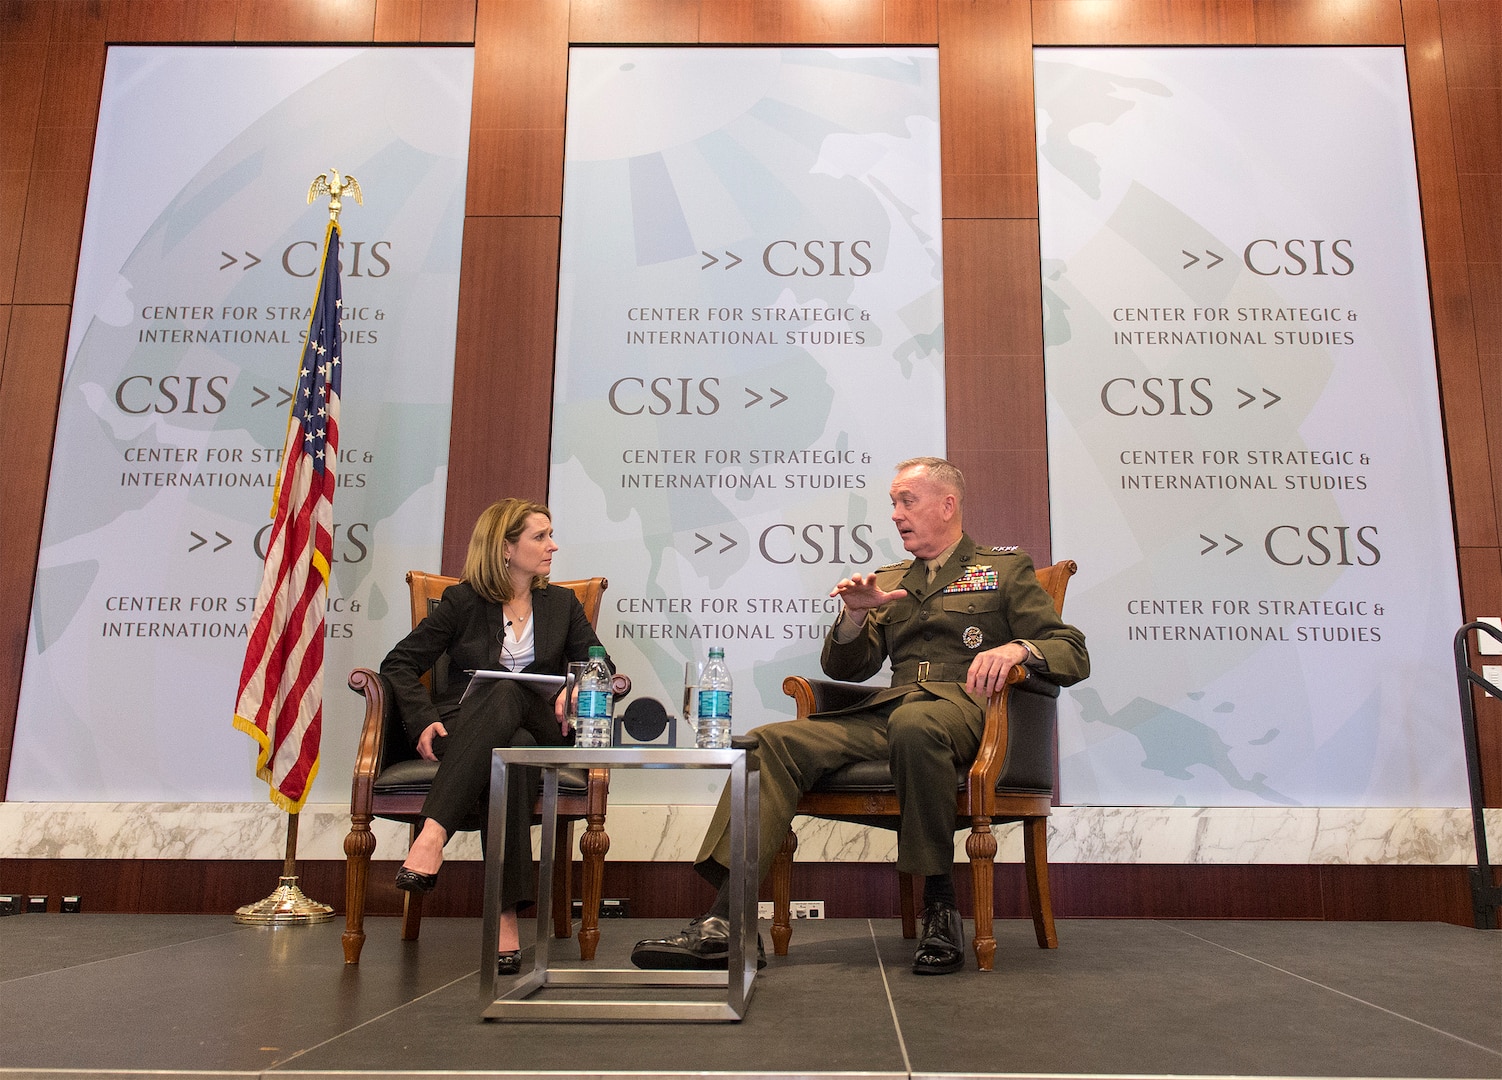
714	704
594	704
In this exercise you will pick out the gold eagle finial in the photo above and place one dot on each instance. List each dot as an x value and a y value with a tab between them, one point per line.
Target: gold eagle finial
335	187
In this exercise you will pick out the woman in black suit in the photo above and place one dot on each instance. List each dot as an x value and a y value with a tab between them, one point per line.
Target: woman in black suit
502	614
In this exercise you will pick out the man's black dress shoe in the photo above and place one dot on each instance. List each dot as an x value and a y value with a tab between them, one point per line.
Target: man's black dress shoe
508	963
412	881
941	944
703	944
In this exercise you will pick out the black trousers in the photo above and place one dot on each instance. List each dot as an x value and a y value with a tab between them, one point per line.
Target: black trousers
501	713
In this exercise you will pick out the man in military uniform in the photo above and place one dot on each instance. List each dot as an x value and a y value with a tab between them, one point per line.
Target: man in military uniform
953	620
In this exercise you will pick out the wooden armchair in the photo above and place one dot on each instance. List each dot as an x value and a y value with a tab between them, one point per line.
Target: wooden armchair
1011	779
391	782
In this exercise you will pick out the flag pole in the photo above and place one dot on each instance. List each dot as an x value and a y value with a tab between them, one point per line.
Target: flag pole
287	905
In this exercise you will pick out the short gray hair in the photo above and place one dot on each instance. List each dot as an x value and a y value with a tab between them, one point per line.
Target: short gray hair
942	472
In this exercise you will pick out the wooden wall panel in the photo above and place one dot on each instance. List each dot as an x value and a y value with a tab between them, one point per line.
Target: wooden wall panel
74	22
349	21
1144	22
987	141
1486	311
28	389
1182	892
13	187
1318	22
1472	42
25	21
503	371
1474	460
516	130
1433	132
169	21
398	20
1467	39
635	22
911	22
448	20
1481	214
850	890
993	359
1478	118
992	296
1402	893
1469	395
59	183
22	67
5	310
428	22
1007	499
776	22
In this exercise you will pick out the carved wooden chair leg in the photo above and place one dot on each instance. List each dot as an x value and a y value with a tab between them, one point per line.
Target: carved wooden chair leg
1035	857
907	905
592	848
782	894
359	845
980	845
411	903
563	880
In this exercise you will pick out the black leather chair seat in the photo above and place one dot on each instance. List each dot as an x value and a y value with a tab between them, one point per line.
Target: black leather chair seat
875	777
415	777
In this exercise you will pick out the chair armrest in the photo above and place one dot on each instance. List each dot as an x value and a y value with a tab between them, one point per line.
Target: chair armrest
372	746
991	758
620	685
819	695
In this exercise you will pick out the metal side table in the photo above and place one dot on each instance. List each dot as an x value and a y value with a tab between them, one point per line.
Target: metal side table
737	981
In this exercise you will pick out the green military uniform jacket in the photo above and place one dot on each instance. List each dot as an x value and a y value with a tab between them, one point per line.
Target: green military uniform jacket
980	599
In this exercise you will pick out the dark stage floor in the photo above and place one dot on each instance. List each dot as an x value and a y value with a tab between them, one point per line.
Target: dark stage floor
157	994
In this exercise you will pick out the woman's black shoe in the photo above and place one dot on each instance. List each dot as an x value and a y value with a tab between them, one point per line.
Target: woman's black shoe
508	963
412	881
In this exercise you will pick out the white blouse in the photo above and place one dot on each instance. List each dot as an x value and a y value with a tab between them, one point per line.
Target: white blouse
518	652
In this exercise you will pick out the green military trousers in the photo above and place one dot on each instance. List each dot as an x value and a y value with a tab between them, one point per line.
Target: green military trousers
927	739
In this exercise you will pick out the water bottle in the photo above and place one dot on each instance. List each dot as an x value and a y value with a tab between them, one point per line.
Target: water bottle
713	732
596	702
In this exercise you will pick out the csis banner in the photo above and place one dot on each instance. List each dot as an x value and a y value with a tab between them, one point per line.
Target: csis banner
198	268
750	336
1245	444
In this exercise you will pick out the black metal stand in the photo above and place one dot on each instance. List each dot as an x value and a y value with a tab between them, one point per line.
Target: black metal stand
1486	895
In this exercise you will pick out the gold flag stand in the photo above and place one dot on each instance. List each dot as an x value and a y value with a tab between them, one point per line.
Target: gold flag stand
287	906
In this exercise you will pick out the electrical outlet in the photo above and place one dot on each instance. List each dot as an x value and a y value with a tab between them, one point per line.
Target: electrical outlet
797	909
11	904
36	905
71	905
610	908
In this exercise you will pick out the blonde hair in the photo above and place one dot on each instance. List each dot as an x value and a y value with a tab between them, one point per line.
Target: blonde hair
485	566
941	472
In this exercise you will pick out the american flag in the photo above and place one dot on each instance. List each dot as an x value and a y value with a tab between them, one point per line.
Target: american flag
280	703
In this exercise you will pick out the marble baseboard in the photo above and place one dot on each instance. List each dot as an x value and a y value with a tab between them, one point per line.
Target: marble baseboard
671	833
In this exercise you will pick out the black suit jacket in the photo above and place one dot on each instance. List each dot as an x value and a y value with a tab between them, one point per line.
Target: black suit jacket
463	632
